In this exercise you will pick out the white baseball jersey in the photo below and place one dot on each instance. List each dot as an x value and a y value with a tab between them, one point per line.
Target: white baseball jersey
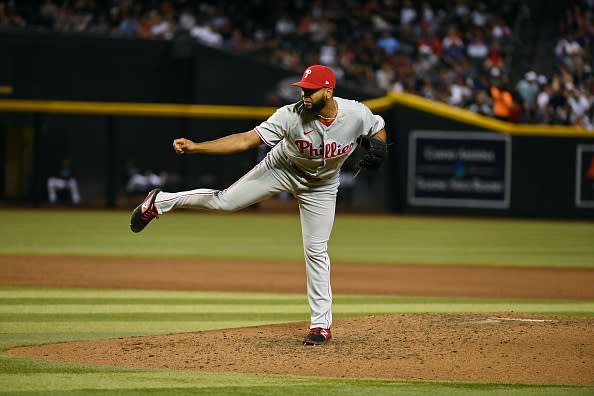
319	150
305	161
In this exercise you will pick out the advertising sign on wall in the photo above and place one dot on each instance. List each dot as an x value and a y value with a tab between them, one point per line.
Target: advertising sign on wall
459	169
584	186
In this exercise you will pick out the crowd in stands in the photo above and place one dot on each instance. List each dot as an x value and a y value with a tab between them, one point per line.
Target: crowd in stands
454	51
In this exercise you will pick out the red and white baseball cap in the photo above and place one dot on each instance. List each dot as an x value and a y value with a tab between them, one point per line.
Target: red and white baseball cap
317	76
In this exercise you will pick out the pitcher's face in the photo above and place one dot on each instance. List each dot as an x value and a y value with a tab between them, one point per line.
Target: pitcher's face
314	99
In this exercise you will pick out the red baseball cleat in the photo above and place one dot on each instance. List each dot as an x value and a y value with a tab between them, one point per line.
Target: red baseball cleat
317	336
144	212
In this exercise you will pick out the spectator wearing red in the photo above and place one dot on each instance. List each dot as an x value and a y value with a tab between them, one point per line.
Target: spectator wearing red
494	58
430	41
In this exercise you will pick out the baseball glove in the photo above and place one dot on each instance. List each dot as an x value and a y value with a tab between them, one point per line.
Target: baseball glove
377	150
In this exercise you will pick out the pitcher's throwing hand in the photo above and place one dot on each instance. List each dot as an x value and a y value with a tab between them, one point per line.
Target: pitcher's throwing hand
181	145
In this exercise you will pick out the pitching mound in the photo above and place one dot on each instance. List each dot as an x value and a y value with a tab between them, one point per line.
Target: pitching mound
494	347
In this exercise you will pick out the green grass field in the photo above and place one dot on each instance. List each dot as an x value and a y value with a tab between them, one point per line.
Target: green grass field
37	315
385	239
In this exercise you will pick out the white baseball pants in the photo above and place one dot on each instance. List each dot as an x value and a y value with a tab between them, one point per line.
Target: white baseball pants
317	203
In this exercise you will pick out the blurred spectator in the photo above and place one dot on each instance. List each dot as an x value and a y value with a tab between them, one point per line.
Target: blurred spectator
408	38
48	13
144	28
459	93
439	50
142	182
481	104
10	16
477	48
528	89
559	108
83	17
426	63
328	52
461	10
543	114
494	60
187	20
499	30
429	42
129	25
428	17
388	43
502	101
385	76
161	26
582	121
427	90
479	15
238	43
408	13
577	101
285	26
452	46
568	50
516	110
63	180
207	35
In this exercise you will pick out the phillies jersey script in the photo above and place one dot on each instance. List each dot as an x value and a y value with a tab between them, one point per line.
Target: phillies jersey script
317	149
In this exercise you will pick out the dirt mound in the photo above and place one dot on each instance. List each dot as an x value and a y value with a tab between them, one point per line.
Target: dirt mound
493	347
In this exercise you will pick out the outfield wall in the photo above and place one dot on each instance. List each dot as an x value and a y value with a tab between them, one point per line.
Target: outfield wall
448	160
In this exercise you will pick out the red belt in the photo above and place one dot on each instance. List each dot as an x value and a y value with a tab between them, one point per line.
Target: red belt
303	174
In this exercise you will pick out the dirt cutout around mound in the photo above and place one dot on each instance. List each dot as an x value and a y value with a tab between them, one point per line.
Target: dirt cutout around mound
289	277
477	347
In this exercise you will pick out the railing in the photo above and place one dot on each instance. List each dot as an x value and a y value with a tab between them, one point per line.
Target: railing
384	103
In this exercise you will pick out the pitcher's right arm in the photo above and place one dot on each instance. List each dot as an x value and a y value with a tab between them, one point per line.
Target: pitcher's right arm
234	143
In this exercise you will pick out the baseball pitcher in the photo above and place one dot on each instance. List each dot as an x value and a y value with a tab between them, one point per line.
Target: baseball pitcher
310	141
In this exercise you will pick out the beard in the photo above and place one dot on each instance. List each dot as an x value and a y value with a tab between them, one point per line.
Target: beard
315	107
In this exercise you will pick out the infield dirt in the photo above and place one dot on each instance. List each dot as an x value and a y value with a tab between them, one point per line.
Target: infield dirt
486	347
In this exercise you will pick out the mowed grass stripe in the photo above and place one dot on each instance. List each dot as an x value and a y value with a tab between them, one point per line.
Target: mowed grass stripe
308	387
32	301
152	308
402	240
45	305
124	295
353	308
257	309
149	316
39	295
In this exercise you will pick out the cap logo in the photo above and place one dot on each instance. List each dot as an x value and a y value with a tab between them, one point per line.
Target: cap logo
307	73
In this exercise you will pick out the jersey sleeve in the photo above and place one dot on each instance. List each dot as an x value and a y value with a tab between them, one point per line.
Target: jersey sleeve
373	122
273	130
378	124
